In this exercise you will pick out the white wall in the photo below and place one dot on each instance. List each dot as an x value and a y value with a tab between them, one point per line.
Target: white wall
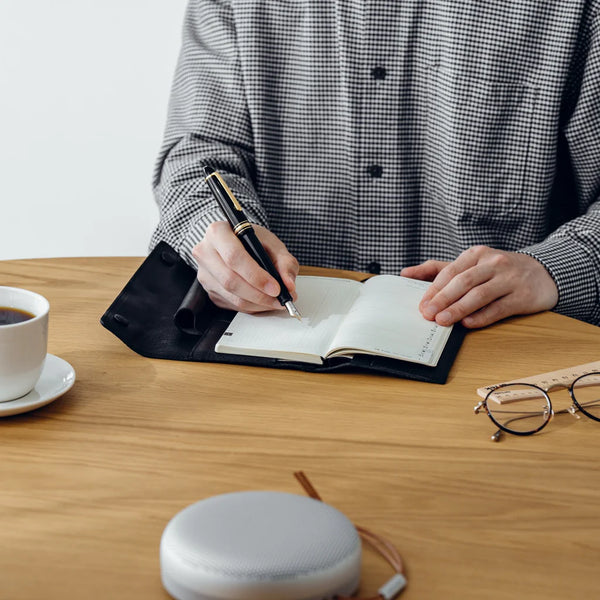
84	88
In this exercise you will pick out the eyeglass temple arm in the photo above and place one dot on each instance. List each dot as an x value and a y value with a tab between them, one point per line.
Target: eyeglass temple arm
476	409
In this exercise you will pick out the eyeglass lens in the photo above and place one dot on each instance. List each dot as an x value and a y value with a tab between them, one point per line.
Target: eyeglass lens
519	408
586	392
525	408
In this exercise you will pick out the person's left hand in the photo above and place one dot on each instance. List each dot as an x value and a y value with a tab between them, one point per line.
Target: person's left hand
482	286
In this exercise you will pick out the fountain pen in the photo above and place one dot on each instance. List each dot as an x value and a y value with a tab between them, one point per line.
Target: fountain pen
245	232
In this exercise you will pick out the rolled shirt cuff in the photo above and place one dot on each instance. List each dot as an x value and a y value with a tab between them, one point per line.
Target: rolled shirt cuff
573	271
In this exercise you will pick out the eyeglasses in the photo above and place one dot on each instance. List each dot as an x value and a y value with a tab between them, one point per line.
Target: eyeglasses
525	408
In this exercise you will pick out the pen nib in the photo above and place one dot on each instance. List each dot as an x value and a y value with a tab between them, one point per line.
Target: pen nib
291	308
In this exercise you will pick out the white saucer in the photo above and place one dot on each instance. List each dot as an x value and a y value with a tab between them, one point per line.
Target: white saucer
57	377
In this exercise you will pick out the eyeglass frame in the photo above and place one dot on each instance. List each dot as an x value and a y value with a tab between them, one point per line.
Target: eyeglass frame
571	410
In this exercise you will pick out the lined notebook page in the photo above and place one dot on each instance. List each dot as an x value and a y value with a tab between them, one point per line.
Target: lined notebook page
385	320
322	302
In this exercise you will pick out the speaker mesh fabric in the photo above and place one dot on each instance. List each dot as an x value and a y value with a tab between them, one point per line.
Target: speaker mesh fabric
260	545
263	534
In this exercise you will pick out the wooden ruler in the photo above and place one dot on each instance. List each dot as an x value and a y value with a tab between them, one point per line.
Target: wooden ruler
546	381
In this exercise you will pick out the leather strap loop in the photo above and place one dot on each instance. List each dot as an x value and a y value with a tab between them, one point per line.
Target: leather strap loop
379	543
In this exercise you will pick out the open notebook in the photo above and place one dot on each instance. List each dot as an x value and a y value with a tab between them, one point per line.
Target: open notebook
342	317
145	316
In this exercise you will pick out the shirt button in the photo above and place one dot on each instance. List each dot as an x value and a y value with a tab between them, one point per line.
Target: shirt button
375	170
374	268
378	73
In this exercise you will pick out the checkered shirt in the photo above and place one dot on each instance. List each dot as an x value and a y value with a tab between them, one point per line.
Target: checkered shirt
373	134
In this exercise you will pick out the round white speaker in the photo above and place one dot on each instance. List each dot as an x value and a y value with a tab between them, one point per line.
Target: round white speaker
260	546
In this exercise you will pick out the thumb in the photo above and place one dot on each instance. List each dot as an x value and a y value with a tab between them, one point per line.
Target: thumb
285	263
426	271
287	266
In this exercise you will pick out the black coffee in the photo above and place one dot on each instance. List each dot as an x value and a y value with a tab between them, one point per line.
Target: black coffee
9	316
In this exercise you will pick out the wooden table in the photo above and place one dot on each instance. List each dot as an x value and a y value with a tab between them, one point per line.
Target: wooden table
89	482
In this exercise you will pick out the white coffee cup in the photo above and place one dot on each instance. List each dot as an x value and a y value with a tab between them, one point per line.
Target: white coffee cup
23	346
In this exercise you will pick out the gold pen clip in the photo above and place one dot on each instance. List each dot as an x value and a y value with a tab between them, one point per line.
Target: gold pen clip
226	188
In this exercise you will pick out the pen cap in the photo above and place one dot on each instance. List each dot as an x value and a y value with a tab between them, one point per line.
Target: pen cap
227	202
260	546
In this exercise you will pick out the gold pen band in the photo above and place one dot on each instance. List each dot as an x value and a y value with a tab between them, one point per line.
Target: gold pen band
241	226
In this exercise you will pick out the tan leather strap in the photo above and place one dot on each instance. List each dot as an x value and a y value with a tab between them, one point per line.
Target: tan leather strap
380	544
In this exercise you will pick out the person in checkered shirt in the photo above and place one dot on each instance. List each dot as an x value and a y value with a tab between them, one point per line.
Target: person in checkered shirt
456	142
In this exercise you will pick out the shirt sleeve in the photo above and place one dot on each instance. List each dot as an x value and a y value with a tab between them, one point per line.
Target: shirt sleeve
208	123
571	254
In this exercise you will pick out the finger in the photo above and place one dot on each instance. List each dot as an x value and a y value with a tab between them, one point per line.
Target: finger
467	285
242	272
497	310
286	264
474	300
439	281
240	293
426	271
467	259
220	281
231	302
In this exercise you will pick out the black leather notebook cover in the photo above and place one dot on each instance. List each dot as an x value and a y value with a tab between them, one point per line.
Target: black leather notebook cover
162	312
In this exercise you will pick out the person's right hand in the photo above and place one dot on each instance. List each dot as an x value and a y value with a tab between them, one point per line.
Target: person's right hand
233	279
